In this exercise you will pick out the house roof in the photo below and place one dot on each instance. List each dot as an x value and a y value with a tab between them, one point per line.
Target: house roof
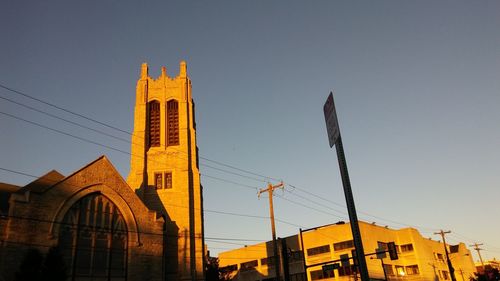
43	183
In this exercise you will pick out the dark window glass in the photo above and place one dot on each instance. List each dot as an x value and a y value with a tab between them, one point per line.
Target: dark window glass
388	269
172	122
318	250
158	181
154	123
343	245
168	180
320	274
406	248
269	261
248	265
229	268
346	270
93	240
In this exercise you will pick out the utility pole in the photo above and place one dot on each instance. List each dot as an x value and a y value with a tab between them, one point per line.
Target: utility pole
270	188
450	266
476	247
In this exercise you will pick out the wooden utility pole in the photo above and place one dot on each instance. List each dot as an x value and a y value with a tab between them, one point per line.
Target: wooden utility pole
270	188
450	266
476	247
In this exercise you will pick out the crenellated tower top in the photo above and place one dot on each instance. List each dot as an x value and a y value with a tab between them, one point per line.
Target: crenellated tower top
164	167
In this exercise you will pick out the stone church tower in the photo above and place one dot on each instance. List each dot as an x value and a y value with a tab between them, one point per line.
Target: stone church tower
164	167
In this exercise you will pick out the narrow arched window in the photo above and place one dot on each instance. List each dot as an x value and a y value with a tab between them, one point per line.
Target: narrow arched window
154	123
93	240
172	122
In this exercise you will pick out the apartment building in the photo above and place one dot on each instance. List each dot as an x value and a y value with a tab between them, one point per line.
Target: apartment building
419	258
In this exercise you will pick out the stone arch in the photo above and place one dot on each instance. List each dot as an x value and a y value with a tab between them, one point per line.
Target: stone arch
93	239
134	236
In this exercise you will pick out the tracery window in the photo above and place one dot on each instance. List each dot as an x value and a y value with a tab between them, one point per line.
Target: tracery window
93	240
172	122
154	123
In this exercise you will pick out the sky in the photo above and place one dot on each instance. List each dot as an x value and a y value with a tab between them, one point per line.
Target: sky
416	86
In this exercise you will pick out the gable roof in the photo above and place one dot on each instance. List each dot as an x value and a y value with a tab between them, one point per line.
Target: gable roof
43	183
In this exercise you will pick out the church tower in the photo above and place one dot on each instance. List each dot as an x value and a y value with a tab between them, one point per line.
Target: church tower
164	168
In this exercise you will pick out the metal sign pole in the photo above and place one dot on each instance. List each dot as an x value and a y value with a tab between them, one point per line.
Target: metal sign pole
335	139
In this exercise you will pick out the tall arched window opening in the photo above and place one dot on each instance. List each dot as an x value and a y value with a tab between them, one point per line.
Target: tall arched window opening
154	123
93	240
172	122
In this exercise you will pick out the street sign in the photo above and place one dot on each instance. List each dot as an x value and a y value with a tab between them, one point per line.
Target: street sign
334	138
332	125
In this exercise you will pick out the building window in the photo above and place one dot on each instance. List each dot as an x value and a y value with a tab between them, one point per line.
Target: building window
445	275
440	257
412	270
382	245
229	268
343	245
158	181
346	270
249	265
400	270
269	261
154	124
172	122
168	180
406	248
320	274
318	250
93	240
388	270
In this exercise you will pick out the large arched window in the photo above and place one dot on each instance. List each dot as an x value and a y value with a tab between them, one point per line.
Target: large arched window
93	240
172	122
154	123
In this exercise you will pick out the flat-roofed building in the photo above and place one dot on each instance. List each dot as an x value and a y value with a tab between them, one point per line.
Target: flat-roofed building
419	258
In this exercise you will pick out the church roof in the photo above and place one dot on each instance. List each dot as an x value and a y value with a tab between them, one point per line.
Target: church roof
43	183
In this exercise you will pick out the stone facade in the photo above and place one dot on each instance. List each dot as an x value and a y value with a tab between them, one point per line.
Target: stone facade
148	228
181	202
37	210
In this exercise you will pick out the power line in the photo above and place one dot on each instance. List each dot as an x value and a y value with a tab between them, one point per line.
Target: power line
63	109
115	128
129	133
177	206
66	120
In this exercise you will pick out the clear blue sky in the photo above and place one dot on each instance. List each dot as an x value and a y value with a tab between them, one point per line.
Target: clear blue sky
417	88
